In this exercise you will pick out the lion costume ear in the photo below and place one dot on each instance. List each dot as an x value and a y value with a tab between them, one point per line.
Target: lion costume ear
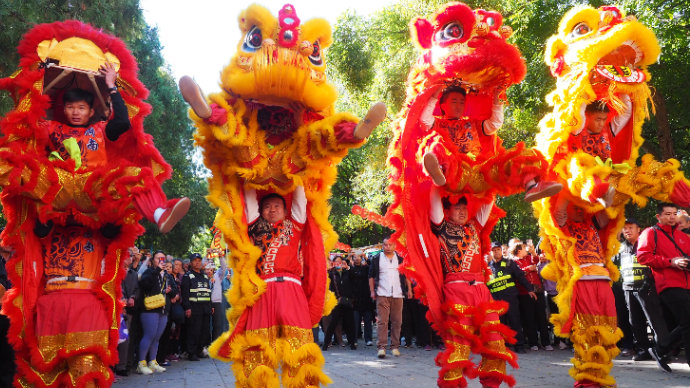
422	33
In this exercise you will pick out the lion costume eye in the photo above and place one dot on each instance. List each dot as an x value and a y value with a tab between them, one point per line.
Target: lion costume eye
253	40
581	29
490	21
451	31
315	57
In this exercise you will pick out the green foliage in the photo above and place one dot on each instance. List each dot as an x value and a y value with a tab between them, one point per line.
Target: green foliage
168	123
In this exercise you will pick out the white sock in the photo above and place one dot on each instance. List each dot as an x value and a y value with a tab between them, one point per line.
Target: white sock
158	213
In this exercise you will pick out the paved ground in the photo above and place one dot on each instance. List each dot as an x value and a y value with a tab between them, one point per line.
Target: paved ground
416	368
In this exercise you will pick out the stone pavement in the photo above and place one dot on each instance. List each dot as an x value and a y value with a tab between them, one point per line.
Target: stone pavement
416	368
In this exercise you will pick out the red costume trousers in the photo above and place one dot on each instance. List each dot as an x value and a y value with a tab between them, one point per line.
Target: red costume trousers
594	332
277	328
72	331
472	326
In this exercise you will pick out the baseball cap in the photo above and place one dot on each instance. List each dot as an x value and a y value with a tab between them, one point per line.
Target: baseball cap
495	244
194	256
633	221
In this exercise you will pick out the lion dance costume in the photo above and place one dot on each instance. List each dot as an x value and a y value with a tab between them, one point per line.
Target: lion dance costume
64	309
466	47
597	54
254	142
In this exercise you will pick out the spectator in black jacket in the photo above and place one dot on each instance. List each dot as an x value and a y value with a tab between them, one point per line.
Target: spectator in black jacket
153	321
341	286
363	305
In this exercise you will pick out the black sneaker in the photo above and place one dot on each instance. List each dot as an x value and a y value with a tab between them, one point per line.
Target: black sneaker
642	356
193	357
659	360
122	372
324	347
520	350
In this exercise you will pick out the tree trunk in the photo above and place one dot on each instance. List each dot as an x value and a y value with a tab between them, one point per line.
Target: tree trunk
663	127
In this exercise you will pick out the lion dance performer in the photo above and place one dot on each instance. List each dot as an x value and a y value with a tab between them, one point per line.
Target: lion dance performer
272	141
591	140
73	191
448	165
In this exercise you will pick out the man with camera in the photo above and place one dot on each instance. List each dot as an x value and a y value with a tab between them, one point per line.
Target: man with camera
664	248
640	294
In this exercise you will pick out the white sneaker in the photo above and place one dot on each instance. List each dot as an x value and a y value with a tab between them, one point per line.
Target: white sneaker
548	347
153	365
562	346
534	348
396	352
205	351
369	343
382	353
142	369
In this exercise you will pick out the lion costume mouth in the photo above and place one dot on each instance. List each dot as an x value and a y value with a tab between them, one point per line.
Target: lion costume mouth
619	64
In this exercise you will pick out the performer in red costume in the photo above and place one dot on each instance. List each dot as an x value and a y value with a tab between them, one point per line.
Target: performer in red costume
593	322
278	325
472	323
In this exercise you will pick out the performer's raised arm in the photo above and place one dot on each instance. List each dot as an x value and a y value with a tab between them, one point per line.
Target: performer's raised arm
251	205
483	213
621	120
426	118
299	205
436	208
495	122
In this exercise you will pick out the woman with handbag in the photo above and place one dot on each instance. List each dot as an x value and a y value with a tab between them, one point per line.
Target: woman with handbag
342	287
172	299
154	315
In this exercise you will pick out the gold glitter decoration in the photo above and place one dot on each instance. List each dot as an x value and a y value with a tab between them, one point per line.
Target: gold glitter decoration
493	365
296	336
460	352
83	364
453	374
49	345
252	359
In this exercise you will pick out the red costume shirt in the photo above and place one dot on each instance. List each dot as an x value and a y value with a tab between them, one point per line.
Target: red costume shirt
73	251
91	142
463	134
279	242
595	144
460	250
280	246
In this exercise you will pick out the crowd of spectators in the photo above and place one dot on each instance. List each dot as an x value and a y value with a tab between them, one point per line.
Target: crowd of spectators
188	316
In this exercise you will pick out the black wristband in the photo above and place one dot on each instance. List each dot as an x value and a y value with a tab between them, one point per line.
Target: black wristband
113	89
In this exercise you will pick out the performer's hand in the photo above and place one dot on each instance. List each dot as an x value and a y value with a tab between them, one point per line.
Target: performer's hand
679	262
108	70
188	313
130	302
373	295
532	267
533	295
213	310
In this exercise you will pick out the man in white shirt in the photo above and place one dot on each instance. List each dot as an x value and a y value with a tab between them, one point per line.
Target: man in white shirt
388	287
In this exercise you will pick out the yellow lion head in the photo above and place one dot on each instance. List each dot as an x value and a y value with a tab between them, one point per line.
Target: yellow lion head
597	54
280	60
